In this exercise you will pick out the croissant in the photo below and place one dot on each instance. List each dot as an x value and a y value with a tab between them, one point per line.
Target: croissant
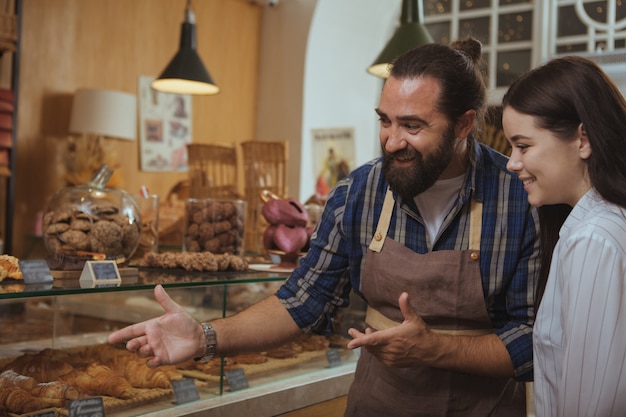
171	371
10	378
19	401
128	365
98	379
44	366
104	353
140	376
10	267
55	389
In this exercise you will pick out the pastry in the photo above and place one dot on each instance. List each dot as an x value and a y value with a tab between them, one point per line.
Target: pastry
9	267
98	379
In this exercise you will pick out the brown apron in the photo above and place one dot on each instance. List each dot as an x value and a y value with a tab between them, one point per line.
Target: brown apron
445	289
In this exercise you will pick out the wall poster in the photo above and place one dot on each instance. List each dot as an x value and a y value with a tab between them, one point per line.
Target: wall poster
333	157
164	128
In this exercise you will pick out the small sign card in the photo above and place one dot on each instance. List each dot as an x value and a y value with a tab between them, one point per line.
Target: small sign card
185	390
35	271
97	273
236	379
87	407
334	359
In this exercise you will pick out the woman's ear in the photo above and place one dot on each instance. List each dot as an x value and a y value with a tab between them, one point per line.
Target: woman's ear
584	147
465	124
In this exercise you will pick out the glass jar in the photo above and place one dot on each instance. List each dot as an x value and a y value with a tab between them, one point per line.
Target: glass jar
214	225
91	219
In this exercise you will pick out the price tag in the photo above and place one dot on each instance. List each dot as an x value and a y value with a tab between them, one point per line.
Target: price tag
99	273
185	390
334	359
35	271
87	407
236	379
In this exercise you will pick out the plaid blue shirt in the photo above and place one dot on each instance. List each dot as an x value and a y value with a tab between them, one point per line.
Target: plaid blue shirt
509	260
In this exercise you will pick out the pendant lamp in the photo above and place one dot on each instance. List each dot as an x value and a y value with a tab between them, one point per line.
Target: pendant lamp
186	74
410	34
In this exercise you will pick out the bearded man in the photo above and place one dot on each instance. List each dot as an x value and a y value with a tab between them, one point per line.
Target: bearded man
435	235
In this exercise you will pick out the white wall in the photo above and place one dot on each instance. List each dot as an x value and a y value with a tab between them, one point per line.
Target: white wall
285	30
344	38
313	59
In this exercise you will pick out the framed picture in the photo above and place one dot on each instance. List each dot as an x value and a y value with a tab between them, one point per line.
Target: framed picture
333	157
165	128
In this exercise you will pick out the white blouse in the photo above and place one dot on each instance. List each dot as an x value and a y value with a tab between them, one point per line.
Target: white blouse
580	331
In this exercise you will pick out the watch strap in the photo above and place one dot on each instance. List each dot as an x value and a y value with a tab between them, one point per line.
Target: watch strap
210	343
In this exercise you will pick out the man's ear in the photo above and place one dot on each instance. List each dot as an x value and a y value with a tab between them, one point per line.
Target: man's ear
584	147
465	124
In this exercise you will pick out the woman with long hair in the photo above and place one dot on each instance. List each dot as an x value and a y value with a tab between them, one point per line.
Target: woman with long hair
566	123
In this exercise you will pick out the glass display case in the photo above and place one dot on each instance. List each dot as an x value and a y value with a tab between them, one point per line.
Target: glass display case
55	324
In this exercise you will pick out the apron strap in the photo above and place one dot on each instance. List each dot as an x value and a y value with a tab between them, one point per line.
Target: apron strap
476	223
376	244
379	321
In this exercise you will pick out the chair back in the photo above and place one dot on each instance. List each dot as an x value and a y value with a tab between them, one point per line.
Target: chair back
265	169
212	171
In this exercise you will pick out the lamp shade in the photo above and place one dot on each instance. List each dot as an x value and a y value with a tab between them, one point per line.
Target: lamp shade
410	34
186	74
105	113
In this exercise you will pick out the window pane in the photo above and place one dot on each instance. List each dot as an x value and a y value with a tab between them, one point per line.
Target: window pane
511	65
440	32
492	134
474	4
569	23
514	27
571	48
478	28
507	2
435	7
484	67
596	10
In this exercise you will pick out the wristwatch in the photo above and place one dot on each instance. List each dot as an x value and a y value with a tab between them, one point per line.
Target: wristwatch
211	343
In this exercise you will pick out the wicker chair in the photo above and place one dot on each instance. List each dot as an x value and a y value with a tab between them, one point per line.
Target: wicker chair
212	171
265	170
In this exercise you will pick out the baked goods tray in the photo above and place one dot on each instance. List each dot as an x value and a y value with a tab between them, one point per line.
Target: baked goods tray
271	365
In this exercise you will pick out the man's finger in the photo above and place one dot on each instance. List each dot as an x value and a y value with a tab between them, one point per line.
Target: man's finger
407	310
169	305
130	332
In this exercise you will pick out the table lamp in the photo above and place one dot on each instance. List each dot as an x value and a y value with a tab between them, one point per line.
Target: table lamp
98	115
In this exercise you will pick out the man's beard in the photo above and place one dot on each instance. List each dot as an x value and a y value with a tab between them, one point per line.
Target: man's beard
411	181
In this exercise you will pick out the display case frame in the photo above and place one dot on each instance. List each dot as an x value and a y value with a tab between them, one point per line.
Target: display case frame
296	385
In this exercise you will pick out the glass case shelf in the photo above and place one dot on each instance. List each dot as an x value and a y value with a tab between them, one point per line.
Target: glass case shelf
136	279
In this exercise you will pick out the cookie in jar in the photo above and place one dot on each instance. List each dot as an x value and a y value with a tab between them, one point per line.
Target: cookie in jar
92	218
214	225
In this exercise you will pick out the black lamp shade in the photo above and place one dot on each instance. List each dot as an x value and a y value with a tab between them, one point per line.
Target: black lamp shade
410	34
186	74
